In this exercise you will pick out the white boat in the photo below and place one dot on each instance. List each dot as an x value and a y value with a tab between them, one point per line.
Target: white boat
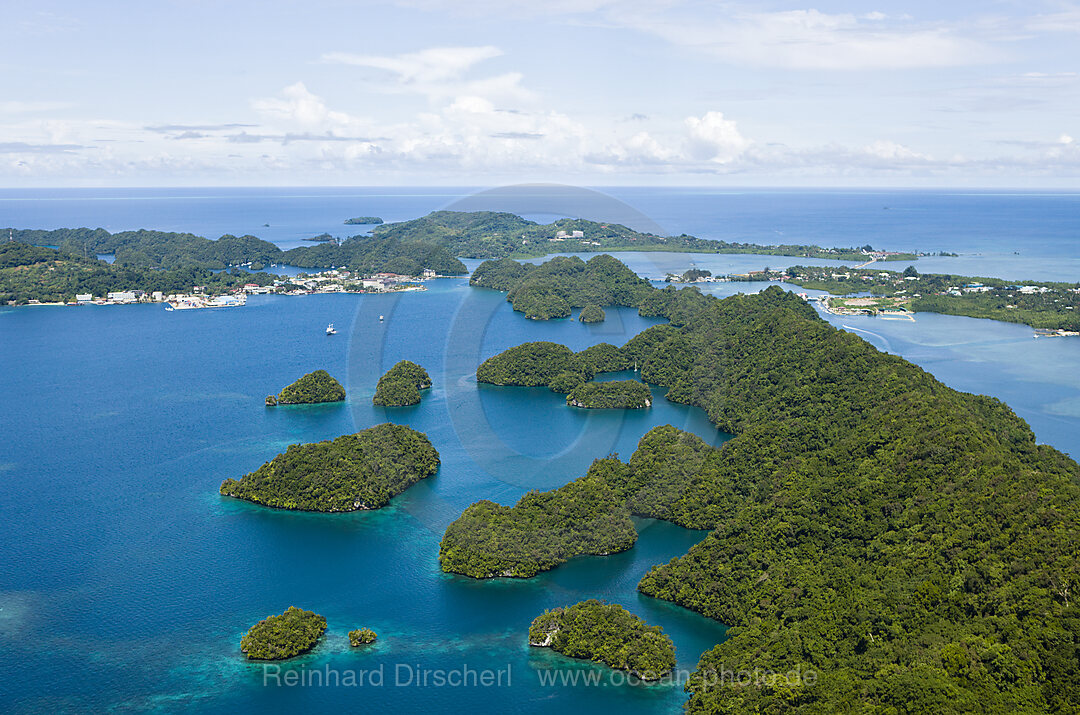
330	329
380	318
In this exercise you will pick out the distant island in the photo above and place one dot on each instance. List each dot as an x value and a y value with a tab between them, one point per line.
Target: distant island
357	471
401	385
490	234
363	221
541	531
605	633
851	514
292	633
172	262
313	388
619	394
321	238
362	636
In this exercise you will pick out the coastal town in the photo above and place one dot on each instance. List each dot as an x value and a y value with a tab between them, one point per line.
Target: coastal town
330	281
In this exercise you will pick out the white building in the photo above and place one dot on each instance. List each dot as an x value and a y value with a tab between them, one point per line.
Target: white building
123	297
572	234
84	297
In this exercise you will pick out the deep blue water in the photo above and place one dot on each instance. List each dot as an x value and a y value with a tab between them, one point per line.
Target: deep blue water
126	581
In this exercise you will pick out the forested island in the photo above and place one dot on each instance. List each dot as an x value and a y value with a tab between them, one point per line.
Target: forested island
401	385
172	251
1040	304
605	633
547	364
313	388
541	531
552	289
363	221
490	234
911	545
357	471
592	313
362	636
289	634
617	395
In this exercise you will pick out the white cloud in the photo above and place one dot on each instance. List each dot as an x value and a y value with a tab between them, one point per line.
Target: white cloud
814	40
802	39
308	111
435	64
713	138
891	151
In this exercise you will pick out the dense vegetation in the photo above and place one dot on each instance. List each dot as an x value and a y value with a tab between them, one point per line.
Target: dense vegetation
375	254
546	364
552	289
605	633
362	636
911	546
401	385
619	394
312	388
184	251
1047	305
489	234
49	275
283	636
527	365
592	313
363	221
356	471
541	531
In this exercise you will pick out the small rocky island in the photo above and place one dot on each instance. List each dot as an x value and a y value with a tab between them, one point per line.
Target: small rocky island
313	388
592	313
361	636
401	385
605	633
283	636
619	395
356	471
363	221
546	364
526	365
543	530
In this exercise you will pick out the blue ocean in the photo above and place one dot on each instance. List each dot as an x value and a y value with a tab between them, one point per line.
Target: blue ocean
126	580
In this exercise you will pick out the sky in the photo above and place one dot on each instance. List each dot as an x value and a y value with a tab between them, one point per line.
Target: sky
596	92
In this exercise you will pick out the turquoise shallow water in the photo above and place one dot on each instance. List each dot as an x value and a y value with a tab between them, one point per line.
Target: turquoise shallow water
126	580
